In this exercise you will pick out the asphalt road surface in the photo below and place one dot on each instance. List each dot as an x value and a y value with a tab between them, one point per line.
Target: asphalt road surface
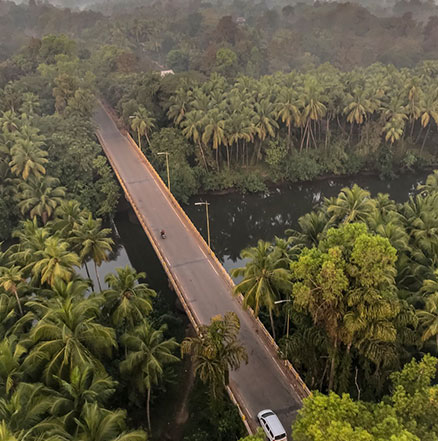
261	383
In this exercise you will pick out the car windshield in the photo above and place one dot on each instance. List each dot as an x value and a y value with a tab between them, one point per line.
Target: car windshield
281	436
266	414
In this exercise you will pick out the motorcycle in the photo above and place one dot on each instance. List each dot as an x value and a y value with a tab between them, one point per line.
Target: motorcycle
163	234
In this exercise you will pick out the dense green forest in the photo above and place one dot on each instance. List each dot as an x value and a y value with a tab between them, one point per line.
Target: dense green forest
262	93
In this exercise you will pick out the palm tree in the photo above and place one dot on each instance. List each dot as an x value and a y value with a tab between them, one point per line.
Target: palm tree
358	108
74	289
97	424
83	386
264	122
142	122
67	335
7	315
264	278
312	227
54	262
9	121
5	433
68	216
11	279
429	319
127	301
287	110
428	112
28	160
11	353
94	242
148	353
216	351
313	109
40	197
192	126
178	105
214	131
26	407
352	205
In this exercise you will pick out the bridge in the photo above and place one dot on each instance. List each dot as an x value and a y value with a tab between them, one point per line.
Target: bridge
200	281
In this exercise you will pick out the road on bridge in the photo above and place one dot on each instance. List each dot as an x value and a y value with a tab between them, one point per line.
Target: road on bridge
263	382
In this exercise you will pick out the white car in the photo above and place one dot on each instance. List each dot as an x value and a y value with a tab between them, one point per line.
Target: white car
271	425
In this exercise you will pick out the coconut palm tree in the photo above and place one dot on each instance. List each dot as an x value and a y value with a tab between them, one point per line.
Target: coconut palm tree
83	386
216	351
264	278
40	197
312	109
192	127
352	205
429	318
54	262
94	242
148	353
127	301
67	335
287	110
68	216
142	122
11	280
28	160
179	103
11	353
97	424
428	112
26	408
264	122
312	227
214	131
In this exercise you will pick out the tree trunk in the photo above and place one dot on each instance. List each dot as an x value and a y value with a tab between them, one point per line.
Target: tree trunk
147	138
203	156
333	365
18	300
327	133
148	410
228	156
97	277
424	140
217	158
272	323
303	136
139	138
44	217
88	274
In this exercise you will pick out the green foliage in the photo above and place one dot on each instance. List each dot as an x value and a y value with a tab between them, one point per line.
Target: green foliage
409	413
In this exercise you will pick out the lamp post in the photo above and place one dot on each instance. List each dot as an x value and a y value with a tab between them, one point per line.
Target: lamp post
208	219
287	326
167	166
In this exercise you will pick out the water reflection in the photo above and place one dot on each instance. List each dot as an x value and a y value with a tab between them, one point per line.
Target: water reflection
238	221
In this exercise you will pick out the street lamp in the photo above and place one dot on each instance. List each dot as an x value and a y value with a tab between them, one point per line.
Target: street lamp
167	166
287	326
208	219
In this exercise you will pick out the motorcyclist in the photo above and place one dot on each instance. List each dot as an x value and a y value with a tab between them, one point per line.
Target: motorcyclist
163	234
